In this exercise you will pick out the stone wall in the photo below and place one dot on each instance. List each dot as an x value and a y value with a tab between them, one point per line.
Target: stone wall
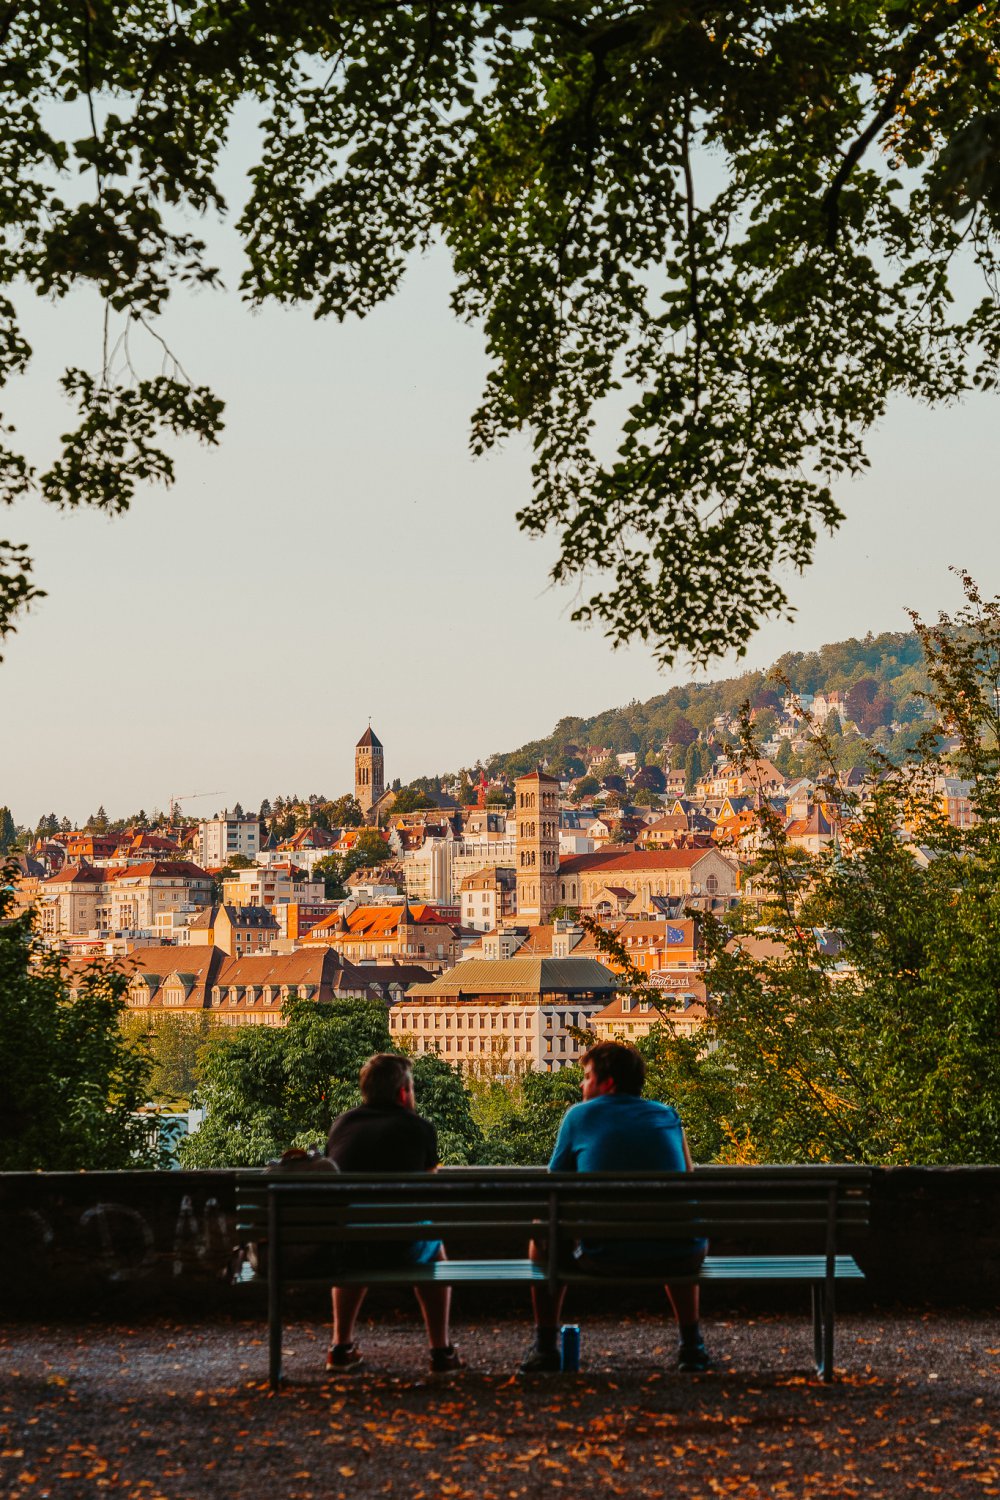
93	1243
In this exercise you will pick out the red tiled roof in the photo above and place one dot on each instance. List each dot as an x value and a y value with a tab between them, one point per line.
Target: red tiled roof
605	861
78	874
159	867
377	921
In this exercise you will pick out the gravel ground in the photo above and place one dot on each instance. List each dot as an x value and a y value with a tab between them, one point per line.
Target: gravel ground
167	1412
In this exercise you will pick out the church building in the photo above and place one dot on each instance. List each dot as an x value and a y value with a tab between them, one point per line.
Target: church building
369	773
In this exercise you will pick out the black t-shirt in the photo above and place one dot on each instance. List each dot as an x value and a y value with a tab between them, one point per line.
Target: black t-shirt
376	1138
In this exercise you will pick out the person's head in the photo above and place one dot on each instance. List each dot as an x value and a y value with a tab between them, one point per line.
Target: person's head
612	1068
387	1079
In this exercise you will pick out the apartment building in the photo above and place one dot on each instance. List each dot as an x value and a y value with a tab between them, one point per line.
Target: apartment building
220	838
495	1018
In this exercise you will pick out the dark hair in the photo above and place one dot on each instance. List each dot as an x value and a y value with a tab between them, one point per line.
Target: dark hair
619	1062
383	1076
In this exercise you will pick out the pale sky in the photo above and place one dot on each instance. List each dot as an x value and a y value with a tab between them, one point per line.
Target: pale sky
341	555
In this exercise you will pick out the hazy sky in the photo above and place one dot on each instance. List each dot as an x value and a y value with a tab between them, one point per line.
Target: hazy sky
341	555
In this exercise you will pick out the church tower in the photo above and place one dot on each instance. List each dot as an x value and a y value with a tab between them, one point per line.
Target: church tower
369	771
536	808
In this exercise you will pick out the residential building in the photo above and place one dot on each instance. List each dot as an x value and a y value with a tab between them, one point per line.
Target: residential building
488	898
236	991
812	833
736	779
383	934
680	1006
237	930
296	919
427	859
133	898
374	885
488	841
955	796
86	847
504	1017
68	903
276	885
223	837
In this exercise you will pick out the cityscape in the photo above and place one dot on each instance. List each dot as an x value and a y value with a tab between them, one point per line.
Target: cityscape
473	911
500	791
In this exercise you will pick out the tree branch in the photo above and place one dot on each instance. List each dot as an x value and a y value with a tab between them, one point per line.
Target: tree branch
909	59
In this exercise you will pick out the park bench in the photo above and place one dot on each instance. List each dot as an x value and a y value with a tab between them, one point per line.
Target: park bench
764	1224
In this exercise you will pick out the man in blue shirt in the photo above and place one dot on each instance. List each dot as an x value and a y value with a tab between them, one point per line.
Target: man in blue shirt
615	1129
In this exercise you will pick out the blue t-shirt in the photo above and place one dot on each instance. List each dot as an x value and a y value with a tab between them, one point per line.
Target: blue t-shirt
624	1133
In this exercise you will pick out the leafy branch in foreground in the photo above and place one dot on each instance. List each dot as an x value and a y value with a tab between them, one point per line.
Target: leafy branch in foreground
72	1083
888	1048
732	231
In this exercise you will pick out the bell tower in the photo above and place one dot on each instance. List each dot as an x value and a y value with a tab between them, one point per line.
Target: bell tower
536	808
369	771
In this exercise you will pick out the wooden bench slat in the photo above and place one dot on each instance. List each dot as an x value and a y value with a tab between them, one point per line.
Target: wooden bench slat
716	1268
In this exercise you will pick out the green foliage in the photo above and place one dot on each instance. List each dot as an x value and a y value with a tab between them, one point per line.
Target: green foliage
8	830
370	848
884	676
520	1120
752	212
890	1050
72	1084
269	1087
443	1098
410	799
695	765
173	1045
327	869
266	1088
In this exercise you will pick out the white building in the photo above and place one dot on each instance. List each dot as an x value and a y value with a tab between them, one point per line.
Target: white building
219	839
503	1017
271	887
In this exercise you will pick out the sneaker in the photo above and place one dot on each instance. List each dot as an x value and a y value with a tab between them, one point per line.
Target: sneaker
446	1361
343	1357
693	1359
541	1360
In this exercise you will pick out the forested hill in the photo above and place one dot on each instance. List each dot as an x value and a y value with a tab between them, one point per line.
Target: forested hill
883	674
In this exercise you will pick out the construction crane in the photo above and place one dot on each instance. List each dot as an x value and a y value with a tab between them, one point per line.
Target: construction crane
175	801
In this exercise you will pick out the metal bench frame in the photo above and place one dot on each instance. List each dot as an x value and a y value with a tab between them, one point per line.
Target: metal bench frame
757	1210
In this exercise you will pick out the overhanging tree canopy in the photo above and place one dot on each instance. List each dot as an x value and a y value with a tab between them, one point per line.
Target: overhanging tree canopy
731	229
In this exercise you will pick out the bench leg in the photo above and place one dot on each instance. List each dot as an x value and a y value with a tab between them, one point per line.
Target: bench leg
817	1311
828	1325
274	1330
823	1325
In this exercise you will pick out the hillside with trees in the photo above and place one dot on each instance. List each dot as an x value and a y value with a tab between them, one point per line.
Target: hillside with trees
884	677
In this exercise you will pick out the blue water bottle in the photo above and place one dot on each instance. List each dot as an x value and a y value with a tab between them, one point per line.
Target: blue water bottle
570	1347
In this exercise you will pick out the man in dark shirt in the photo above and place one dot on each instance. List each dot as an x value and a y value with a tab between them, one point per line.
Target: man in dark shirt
385	1134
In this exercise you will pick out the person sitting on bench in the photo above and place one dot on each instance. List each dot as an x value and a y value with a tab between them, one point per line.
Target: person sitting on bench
614	1129
385	1134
